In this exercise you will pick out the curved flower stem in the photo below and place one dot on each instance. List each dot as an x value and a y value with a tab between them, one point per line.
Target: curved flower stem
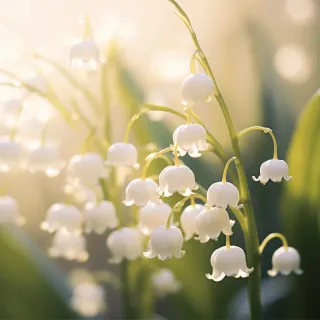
87	30
132	122
265	130
13	131
272	236
225	171
251	236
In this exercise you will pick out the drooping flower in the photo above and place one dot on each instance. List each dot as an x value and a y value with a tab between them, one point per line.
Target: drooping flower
85	54
61	215
274	170
125	243
11	156
100	216
47	160
222	194
10	111
164	282
285	261
141	191
188	220
88	298
85	169
69	245
190	138
153	215
165	243
9	211
210	222
195	88
178	178
230	262
122	154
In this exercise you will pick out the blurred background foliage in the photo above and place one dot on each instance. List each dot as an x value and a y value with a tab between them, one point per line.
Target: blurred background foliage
266	59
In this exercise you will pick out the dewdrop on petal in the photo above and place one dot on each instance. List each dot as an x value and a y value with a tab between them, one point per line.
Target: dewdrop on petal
285	261
99	216
195	88
152	216
61	215
164	283
69	245
221	194
141	191
122	154
190	138
11	156
85	54
125	243
210	222
47	160
9	211
165	243
230	262
88	298
178	178
274	170
188	220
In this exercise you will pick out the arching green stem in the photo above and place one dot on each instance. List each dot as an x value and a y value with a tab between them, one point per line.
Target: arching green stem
272	236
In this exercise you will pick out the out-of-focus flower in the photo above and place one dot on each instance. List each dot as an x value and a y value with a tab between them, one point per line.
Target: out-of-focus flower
125	243
165	243
10	112
285	261
230	262
85	54
11	156
222	194
176	178
188	220
9	211
164	282
122	154
274	170
38	83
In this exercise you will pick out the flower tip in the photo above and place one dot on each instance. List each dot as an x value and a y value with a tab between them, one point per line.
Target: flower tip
288	178
298	272
209	276
272	273
136	166
255	179
128	203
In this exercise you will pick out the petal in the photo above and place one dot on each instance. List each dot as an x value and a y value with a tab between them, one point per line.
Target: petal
209	276
186	192
288	178
218	277
298	272
272	273
149	254
202	239
256	179
128	203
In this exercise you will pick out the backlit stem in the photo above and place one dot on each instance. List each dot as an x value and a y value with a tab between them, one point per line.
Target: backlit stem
225	171
131	123
272	236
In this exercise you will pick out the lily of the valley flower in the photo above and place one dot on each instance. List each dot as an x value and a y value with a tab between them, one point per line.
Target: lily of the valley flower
230	262
176	178
152	216
47	160
274	170
190	138
122	154
188	220
125	243
210	222
195	88
165	243
285	260
69	245
221	194
64	216
141	191
11	155
100	216
164	282
9	211
10	111
85	54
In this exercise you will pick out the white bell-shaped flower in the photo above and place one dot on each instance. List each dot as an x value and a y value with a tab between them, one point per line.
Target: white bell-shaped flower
85	169
274	170
141	191
165	243
100	216
285	261
10	111
61	215
11	156
188	220
85	54
176	178
221	194
125	243
152	216
210	222
196	87
88	298
190	138
9	211
164	282
122	154
230	262
47	160
69	245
